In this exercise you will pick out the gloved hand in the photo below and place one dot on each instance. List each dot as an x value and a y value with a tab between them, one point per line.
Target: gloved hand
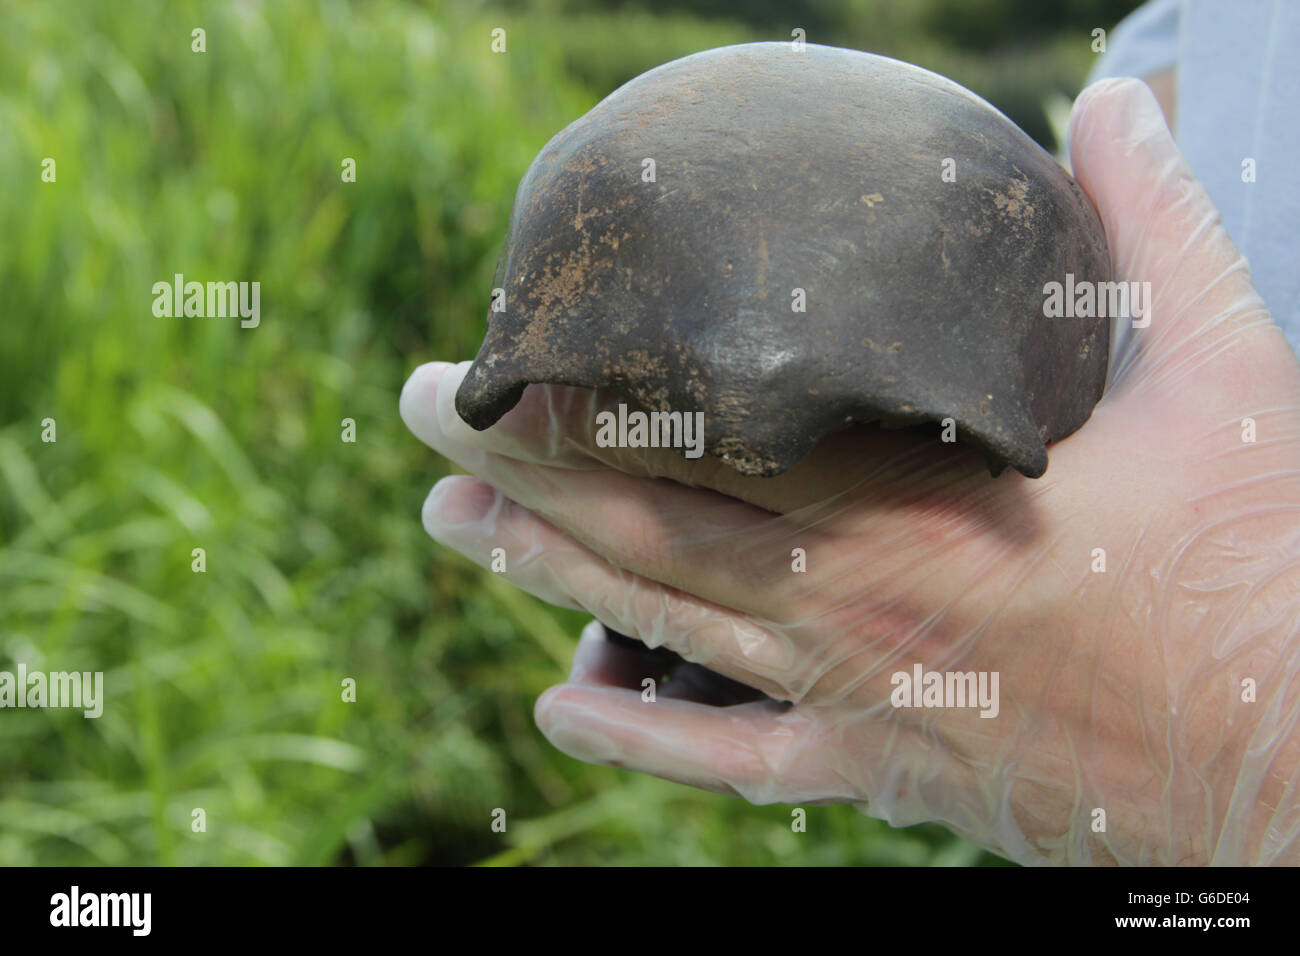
1124	690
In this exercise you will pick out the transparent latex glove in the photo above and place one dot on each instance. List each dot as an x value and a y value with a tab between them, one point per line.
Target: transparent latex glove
1124	694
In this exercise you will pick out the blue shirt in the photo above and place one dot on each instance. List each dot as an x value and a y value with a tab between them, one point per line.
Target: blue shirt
1238	82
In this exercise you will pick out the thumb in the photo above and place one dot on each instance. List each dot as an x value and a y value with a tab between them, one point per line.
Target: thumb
1163	229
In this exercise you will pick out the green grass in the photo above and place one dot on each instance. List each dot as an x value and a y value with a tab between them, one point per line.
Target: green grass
223	688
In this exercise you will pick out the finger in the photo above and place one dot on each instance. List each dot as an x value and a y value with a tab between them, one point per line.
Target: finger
692	539
472	517
605	657
546	426
1164	229
759	751
736	555
784	662
771	753
598	660
556	425
688	681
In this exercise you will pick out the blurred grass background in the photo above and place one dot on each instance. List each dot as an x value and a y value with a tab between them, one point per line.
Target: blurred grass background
223	688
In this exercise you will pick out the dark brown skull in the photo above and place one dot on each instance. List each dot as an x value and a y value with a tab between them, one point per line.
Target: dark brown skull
914	223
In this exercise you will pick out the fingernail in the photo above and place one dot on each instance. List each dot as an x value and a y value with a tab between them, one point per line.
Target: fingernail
582	741
457	501
418	401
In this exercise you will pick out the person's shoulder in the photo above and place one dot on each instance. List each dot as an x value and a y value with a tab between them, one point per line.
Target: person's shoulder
1142	44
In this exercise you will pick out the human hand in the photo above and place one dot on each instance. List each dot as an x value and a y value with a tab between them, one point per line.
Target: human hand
1120	690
